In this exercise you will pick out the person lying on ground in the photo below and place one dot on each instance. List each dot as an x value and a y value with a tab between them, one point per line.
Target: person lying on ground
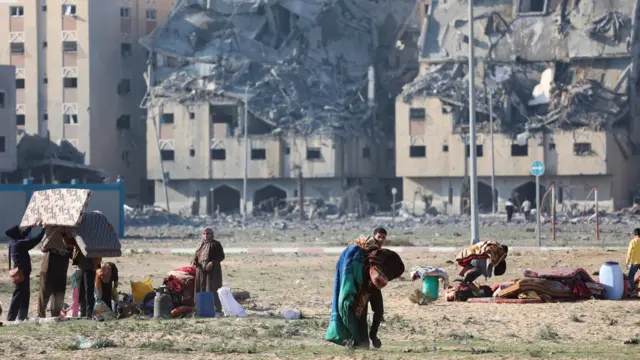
53	274
371	243
633	261
485	258
19	247
358	281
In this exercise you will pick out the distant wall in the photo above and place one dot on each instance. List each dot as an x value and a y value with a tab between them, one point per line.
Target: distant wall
106	198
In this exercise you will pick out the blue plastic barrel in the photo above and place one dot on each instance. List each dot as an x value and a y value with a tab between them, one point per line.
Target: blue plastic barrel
430	287
613	280
205	307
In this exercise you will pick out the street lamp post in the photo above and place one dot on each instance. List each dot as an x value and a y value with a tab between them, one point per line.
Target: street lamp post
394	191
246	156
472	134
493	164
211	200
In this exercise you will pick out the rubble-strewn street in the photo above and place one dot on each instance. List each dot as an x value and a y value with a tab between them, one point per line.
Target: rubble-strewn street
161	229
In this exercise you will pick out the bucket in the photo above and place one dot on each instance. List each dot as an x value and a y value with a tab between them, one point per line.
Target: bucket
613	280
204	305
430	287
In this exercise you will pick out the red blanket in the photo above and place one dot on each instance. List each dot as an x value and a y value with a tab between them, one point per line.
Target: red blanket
180	286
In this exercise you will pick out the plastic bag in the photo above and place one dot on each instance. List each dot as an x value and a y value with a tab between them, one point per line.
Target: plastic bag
102	310
229	304
140	289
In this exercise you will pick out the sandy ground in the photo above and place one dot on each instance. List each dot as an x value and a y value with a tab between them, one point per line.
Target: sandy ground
590	329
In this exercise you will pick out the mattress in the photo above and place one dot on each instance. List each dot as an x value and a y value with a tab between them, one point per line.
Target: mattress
554	289
57	207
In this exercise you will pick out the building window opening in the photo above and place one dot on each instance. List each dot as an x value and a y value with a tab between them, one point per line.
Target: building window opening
69	10
417	114
479	151
258	154
218	154
70	119
314	154
582	149
416	151
167	155
70	83
532	6
519	150
17	11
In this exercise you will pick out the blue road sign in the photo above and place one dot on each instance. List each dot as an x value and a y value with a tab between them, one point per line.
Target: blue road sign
537	168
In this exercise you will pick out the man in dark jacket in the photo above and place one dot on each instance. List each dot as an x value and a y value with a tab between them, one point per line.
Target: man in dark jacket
53	278
19	246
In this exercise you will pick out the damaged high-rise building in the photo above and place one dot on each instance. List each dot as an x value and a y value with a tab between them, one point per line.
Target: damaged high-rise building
314	81
560	79
78	86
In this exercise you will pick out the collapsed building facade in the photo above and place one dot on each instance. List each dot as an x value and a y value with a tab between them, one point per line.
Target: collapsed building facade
559	78
313	80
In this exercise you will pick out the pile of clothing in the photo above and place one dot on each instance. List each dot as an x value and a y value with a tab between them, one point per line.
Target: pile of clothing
552	285
569	284
181	283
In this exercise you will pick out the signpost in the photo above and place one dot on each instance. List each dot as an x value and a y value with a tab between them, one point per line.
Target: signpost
537	170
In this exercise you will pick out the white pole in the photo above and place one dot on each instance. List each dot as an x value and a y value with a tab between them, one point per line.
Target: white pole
246	156
538	211
164	175
493	164
472	134
157	131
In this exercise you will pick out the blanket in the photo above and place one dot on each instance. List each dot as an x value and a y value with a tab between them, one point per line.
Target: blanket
581	283
418	272
181	281
348	279
553	289
491	250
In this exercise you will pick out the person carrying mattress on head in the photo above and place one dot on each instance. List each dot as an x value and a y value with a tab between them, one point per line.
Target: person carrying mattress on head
485	258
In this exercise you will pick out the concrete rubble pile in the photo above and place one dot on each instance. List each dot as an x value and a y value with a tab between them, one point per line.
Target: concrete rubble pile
572	77
302	63
583	103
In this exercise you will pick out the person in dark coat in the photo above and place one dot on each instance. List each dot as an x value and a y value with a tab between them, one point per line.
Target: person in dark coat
86	275
19	247
209	254
53	277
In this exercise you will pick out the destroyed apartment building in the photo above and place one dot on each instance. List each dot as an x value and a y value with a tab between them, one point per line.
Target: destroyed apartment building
316	81
559	80
24	156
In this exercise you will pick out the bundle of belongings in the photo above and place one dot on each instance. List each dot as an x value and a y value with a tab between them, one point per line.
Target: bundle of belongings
181	284
536	287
